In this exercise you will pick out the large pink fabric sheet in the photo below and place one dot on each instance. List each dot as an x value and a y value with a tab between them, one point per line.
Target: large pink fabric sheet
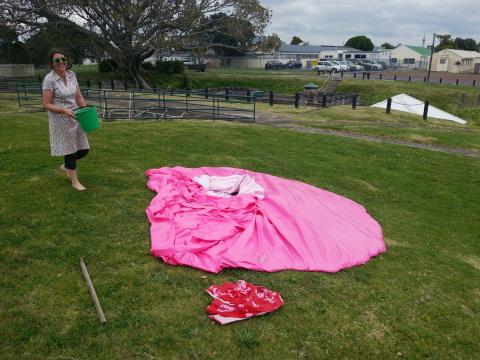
296	226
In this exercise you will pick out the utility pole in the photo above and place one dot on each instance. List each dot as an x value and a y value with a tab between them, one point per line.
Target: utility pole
431	58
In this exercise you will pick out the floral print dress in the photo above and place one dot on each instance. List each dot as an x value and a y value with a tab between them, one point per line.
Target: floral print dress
66	136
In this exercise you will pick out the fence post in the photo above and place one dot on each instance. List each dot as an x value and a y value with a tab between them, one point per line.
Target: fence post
456	82
389	105
164	107
354	75
206	93
125	85
271	98
380	76
363	75
133	101
112	84
424	79
341	74
409	79
213	106
368	76
99	83
440	81
227	92
473	83
297	100
18	97
354	102
171	91
395	77
105	103
425	110
89	84
324	101
248	100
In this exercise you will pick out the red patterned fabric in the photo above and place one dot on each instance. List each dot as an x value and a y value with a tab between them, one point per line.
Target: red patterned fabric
241	300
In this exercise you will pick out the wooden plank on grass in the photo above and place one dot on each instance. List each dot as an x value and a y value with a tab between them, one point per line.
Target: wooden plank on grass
96	302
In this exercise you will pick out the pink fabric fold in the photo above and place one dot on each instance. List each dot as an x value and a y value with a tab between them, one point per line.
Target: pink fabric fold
295	226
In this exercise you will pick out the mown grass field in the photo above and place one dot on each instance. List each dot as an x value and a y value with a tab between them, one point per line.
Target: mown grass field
421	299
463	101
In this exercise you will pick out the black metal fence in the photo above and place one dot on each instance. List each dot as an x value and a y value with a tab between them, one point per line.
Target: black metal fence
152	104
421	77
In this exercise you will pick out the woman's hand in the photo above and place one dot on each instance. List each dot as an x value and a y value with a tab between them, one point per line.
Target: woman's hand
69	113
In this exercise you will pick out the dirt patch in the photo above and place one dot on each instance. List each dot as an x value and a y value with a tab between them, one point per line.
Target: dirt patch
391	242
421	138
366	185
289	124
472	260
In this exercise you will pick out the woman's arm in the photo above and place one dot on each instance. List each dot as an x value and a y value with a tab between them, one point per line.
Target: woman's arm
47	105
79	98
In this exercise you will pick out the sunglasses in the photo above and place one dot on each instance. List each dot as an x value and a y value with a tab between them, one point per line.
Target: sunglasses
60	59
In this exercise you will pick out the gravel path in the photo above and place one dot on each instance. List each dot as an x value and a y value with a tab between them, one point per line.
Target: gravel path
279	121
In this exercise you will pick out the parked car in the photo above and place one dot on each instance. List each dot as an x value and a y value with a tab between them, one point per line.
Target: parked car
371	65
356	66
340	65
294	64
348	65
275	65
326	65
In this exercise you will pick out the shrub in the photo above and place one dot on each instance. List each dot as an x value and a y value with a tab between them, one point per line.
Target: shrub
107	65
148	66
170	67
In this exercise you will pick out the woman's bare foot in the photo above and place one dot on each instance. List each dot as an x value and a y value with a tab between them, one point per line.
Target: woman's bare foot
79	186
72	174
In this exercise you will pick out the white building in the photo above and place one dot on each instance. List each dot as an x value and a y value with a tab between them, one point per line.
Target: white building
456	61
415	57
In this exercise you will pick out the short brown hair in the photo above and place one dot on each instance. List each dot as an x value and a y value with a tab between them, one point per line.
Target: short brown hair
54	51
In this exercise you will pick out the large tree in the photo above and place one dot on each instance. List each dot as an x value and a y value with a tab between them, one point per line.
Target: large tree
446	42
129	31
466	44
271	43
226	35
387	45
39	44
360	42
296	40
12	50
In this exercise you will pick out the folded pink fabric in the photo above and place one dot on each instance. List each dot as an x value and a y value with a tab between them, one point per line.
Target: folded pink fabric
241	300
295	226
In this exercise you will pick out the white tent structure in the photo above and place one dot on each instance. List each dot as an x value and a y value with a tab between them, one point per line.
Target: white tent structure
406	103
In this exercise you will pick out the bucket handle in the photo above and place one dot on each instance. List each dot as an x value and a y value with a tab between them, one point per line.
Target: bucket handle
83	107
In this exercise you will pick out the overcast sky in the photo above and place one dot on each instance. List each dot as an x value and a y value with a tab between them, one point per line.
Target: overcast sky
333	22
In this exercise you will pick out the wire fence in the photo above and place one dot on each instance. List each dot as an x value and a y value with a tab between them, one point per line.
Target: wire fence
231	104
152	104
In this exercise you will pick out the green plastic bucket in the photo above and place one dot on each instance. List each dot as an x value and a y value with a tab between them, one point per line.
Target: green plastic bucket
88	118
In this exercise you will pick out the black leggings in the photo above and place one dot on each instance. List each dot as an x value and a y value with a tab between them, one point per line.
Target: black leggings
71	159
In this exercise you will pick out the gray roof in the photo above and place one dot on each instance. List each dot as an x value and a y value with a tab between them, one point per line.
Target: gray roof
310	49
355	51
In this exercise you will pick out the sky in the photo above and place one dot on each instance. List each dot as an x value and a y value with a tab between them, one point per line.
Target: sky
333	22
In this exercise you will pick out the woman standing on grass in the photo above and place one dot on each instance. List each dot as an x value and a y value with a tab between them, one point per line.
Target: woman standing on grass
61	95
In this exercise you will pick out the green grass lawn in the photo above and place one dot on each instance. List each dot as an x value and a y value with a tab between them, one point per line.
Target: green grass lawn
421	299
373	121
